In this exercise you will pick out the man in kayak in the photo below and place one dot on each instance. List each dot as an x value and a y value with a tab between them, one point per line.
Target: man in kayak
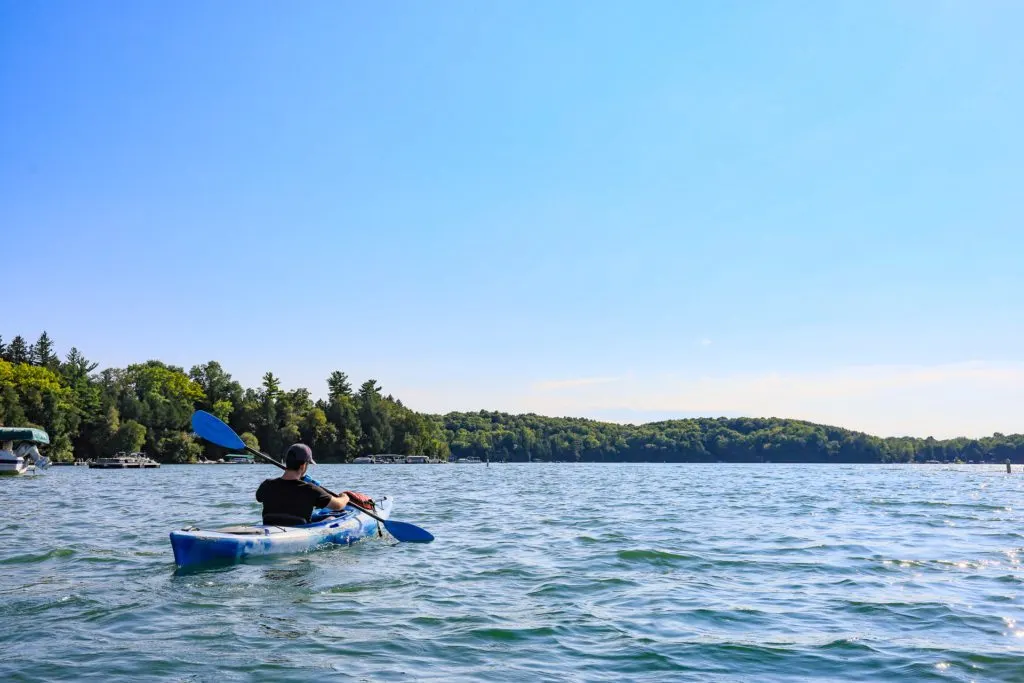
290	499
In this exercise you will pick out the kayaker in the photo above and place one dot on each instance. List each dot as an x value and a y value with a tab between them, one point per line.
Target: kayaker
289	500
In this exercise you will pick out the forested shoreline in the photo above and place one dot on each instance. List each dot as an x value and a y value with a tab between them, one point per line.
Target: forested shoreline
91	413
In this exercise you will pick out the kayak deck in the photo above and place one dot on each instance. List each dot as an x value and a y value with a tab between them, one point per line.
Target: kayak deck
229	544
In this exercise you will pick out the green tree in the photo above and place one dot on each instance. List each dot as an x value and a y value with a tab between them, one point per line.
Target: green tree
217	386
316	431
374	420
271	385
76	367
338	385
18	351
342	414
161	397
250	440
129	438
87	400
42	400
222	410
101	438
179	447
268	427
42	354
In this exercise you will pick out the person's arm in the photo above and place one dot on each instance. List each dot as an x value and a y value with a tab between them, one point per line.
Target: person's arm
326	500
338	502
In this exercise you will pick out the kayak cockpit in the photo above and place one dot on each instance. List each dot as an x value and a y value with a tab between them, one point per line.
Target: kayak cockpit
319	517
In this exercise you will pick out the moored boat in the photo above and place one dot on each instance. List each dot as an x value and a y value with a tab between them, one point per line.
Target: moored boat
193	546
120	461
24	457
396	459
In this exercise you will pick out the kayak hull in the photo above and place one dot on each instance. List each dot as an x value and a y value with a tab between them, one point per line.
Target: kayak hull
228	545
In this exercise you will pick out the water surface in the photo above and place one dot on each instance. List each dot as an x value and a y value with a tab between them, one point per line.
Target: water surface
543	572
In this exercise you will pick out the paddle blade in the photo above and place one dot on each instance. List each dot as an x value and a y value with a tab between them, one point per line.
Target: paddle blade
408	533
216	432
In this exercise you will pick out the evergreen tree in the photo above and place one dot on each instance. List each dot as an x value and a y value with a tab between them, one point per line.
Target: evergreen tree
374	420
338	384
77	367
18	351
42	354
268	429
271	385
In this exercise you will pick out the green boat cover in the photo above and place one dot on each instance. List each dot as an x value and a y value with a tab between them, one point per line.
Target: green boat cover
23	434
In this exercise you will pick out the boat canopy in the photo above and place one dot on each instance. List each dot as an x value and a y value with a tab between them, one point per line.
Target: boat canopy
24	434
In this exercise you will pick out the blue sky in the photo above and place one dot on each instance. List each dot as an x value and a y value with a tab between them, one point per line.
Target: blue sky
628	211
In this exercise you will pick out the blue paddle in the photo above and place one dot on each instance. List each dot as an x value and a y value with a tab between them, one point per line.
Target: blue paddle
214	430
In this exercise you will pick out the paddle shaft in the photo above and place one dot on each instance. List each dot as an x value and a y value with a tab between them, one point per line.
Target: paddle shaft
266	457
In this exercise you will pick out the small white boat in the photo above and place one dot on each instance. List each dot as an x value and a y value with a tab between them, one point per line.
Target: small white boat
24	457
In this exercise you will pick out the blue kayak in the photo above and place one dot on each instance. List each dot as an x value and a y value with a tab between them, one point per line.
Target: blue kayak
194	546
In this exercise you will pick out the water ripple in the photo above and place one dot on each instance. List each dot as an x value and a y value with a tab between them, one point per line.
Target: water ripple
695	572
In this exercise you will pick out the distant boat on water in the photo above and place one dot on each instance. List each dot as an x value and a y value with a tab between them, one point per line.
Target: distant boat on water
121	461
395	459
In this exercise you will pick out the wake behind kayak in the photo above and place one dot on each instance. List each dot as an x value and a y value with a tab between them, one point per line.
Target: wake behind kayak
193	546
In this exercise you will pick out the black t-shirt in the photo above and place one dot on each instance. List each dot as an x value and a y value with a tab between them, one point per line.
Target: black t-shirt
291	497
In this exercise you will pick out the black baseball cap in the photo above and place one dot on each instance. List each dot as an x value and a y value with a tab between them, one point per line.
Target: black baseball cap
297	454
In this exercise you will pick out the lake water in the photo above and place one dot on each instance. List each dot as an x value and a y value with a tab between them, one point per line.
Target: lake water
542	572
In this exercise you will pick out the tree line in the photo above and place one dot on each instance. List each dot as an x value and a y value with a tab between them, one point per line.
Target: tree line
504	437
148	406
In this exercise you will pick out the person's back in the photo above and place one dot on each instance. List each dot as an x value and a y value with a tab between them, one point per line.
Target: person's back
289	500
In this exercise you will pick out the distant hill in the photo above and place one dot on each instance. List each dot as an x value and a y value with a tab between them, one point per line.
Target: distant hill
501	436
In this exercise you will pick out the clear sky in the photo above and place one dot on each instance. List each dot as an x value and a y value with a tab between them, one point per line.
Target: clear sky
621	210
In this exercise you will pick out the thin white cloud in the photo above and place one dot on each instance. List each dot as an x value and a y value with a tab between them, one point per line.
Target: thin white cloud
957	399
971	398
705	342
